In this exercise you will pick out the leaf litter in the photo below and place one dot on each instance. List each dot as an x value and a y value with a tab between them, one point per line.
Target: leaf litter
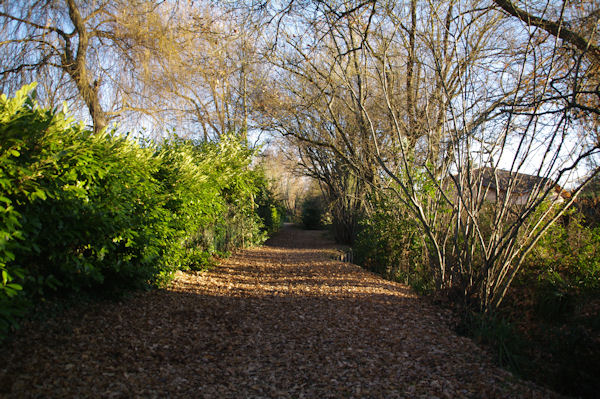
286	320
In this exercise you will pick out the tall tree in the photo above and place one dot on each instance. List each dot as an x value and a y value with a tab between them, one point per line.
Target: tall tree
218	74
93	43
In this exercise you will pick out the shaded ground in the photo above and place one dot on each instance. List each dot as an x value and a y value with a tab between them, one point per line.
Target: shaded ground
282	321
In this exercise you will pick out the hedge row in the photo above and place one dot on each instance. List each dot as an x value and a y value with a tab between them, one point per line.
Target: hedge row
103	213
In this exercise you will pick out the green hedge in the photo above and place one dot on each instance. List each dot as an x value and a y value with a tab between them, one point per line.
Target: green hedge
103	213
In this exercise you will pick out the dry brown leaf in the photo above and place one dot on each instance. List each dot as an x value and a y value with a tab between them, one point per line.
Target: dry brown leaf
281	321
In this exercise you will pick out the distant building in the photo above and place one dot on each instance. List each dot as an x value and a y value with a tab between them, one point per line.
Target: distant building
497	182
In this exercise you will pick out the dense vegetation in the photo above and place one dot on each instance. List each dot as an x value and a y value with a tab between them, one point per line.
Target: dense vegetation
389	243
101	214
547	328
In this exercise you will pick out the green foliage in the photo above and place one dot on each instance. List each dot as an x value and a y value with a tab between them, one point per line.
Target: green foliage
211	191
497	334
564	265
89	211
389	243
102	214
557	310
312	213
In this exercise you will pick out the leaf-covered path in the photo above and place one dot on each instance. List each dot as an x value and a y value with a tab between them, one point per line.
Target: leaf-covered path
283	321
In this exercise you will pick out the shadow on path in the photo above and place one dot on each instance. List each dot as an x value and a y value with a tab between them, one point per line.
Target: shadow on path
280	321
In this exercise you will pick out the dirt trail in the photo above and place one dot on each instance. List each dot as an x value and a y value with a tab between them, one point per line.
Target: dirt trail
282	321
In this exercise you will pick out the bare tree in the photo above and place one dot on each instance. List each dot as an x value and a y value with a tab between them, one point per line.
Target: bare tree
211	80
453	107
95	44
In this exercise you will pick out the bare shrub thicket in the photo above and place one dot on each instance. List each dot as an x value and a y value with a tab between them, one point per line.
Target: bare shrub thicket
473	114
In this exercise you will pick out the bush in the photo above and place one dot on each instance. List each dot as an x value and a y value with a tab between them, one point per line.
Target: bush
270	209
312	213
564	264
555	303
389	243
101	214
89	208
215	196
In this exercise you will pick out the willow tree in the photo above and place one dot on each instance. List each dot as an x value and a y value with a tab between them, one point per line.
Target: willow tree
213	80
85	51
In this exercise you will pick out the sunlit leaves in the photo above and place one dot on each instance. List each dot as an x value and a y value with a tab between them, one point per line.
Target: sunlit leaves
81	212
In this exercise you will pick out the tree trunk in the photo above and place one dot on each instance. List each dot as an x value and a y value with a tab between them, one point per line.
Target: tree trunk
89	92
76	67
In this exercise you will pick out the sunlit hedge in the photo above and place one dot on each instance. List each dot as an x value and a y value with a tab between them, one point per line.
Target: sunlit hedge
102	213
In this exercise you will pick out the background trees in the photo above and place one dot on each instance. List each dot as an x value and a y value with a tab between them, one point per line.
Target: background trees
158	63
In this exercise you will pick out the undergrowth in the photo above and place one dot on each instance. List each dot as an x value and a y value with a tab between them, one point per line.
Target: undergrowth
548	328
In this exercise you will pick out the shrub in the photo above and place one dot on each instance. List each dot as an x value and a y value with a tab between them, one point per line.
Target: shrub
389	243
211	190
312	213
89	209
565	263
83	213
